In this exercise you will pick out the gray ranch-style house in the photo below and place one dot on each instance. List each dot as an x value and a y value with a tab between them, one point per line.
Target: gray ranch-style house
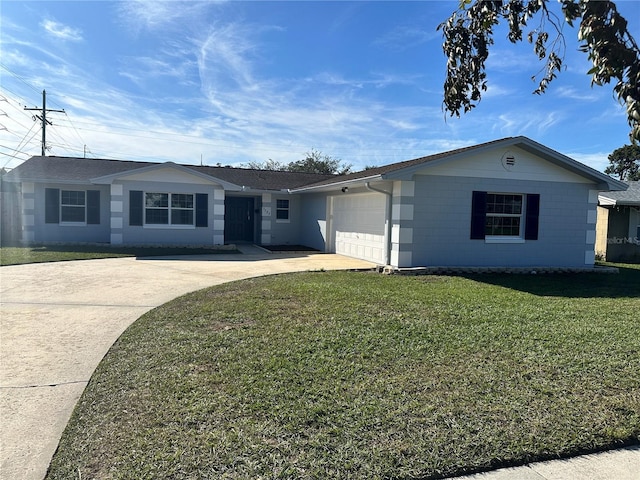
507	203
618	226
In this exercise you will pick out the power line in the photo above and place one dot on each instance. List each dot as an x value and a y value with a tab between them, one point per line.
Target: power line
17	150
22	79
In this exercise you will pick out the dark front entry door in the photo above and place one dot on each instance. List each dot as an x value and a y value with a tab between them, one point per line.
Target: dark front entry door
238	219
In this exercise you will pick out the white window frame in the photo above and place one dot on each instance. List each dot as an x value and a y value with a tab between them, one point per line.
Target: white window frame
62	206
169	209
519	238
286	209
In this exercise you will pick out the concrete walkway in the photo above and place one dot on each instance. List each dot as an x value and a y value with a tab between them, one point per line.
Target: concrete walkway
622	464
57	321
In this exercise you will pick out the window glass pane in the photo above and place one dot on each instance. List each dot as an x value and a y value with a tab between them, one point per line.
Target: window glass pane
500	203
181	200
282	209
182	217
157	200
505	226
513	204
71	197
156	216
71	214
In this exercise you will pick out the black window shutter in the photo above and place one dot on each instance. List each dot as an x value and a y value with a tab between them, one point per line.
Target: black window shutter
135	207
202	209
93	207
532	215
478	214
52	205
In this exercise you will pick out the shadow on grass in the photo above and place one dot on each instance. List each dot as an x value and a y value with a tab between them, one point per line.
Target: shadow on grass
625	284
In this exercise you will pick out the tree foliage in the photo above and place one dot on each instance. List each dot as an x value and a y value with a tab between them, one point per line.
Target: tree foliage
313	162
268	165
468	35
625	163
316	162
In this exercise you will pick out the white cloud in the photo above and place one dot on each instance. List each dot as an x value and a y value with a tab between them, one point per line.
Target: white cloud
574	94
534	123
599	161
513	60
224	59
405	37
154	14
61	32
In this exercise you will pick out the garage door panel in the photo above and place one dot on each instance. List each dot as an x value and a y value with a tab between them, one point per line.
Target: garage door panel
359	226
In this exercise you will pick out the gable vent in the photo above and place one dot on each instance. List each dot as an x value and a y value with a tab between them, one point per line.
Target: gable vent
508	160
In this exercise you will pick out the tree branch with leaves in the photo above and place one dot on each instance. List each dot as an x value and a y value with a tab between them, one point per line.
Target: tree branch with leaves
624	162
313	162
469	33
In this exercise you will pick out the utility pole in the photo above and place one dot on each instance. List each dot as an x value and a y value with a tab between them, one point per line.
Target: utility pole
43	118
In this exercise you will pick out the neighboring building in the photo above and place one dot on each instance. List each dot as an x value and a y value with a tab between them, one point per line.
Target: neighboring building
618	226
510	202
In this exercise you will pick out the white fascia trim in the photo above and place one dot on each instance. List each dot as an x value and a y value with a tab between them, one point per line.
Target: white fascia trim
259	191
334	185
56	181
602	200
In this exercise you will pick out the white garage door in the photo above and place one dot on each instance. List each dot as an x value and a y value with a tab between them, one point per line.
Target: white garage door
358	226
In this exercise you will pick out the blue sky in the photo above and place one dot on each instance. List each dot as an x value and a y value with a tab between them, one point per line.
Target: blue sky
235	82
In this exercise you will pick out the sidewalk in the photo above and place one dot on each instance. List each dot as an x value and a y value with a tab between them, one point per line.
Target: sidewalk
622	464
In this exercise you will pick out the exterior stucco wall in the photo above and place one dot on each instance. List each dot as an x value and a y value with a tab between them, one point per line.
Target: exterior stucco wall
313	221
285	232
59	232
170	235
442	217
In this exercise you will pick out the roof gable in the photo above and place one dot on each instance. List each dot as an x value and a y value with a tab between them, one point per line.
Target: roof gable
165	172
507	163
405	170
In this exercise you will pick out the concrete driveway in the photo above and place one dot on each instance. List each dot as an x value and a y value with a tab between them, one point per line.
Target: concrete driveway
57	321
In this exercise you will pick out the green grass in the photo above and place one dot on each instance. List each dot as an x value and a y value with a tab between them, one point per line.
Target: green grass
57	253
364	376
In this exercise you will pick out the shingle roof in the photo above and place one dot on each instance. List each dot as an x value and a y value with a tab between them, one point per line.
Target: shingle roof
262	179
385	169
631	196
82	170
68	169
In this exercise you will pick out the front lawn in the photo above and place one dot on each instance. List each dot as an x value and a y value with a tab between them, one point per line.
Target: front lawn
13	255
362	376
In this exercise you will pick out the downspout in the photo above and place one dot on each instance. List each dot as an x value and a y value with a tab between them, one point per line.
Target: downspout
387	253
